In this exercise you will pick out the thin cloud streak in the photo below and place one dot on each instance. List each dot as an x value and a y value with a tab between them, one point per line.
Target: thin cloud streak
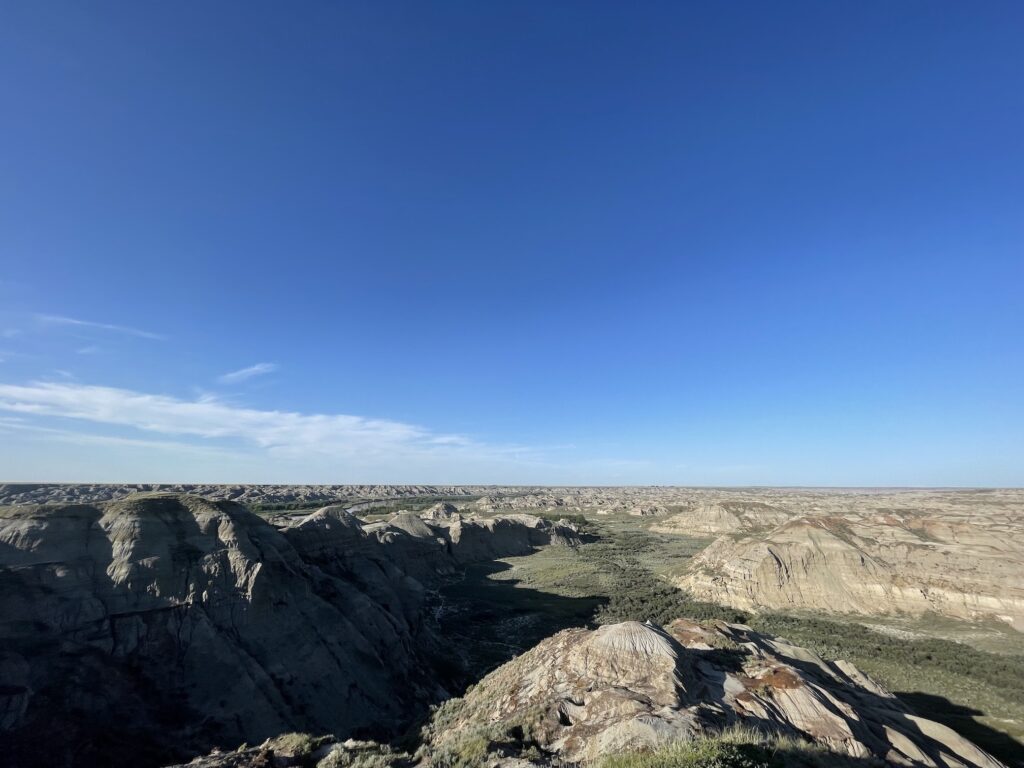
122	329
260	369
82	438
282	433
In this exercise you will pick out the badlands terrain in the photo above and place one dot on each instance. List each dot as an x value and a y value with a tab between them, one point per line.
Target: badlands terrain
461	626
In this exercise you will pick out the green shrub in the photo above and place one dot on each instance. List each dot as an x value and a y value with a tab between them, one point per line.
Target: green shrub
377	758
697	754
465	751
739	748
294	744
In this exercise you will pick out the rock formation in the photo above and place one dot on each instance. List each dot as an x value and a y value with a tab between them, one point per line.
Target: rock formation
504	536
440	511
723	517
957	564
582	694
164	624
649	510
308	495
153	627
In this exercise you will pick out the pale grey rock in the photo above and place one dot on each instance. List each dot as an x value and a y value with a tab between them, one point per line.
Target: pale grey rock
585	694
441	511
961	565
723	517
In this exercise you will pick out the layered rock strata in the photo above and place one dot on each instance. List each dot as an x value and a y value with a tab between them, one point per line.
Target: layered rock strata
885	562
162	625
583	694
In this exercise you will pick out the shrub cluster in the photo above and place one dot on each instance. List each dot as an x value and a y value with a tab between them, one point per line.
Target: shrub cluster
739	748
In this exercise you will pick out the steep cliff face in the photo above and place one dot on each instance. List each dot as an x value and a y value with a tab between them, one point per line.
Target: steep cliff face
158	626
335	542
178	623
474	541
582	694
886	562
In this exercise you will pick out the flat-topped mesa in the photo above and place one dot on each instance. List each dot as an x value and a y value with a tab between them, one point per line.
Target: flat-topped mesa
585	694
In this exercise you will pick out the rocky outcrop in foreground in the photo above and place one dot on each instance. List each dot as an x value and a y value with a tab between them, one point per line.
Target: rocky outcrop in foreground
158	626
580	696
626	687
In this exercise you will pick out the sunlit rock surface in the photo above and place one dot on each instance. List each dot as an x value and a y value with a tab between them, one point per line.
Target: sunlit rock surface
583	694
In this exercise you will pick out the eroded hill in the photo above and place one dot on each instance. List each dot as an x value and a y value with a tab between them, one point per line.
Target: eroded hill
166	624
582	697
151	628
964	561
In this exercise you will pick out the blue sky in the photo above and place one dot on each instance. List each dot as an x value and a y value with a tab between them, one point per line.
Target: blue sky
551	242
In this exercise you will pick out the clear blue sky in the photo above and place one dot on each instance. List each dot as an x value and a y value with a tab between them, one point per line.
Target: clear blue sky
525	242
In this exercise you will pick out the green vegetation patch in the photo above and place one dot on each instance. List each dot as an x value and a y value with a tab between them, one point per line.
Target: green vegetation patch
738	748
621	576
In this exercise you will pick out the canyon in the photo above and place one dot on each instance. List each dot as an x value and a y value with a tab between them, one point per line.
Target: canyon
152	625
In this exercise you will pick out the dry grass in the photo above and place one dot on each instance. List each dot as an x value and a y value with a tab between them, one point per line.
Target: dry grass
737	748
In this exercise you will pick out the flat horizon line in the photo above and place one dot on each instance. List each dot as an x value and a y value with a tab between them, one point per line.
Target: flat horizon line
542	485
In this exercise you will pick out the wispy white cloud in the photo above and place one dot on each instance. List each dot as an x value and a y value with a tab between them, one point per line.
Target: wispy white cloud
10	333
242	374
59	320
92	349
283	433
10	425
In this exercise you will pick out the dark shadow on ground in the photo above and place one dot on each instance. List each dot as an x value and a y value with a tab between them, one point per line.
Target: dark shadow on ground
962	720
491	621
927	706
